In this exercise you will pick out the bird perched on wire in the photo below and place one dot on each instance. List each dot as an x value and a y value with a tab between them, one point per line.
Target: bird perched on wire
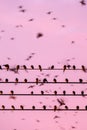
55	108
55	81
3	107
74	67
6	80
66	107
44	107
80	80
32	67
16	80
45	80
37	80
1	92
83	68
25	68
13	107
40	68
25	80
66	80
6	66
11	92
64	68
17	67
22	107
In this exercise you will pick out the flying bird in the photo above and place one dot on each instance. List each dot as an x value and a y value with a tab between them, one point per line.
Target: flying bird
61	102
83	3
39	35
49	12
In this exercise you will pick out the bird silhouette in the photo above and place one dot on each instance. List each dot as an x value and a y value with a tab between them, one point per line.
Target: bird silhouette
32	92
42	92
86	107
55	107
74	67
22	107
32	67
83	2
3	107
13	107
44	107
16	80
31	20
33	107
25	80
49	12
23	10
39	35
1	92
17	67
6	66
82	93
40	68
64	68
6	80
83	68
77	107
37	80
55	92
25	68
80	80
66	107
52	67
68	66
74	93
55	81
45	80
11	92
66	80
64	92
61	102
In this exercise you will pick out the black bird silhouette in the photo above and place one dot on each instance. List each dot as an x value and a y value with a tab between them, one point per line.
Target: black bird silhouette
39	35
66	107
44	107
61	102
49	12
83	68
55	107
68	66
17	67
45	80
11	92
33	107
20	6
16	80
74	93
40	68
55	92
52	67
1	92
22	107
24	66
55	81
64	92
82	93
66	80
37	80
3	107
32	67
31	20
23	10
6	66
64	68
6	80
42	92
74	67
32	92
25	80
80	80
77	107
83	2
13	107
86	107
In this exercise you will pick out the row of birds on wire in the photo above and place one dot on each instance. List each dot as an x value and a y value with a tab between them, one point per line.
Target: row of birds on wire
37	81
44	107
52	67
43	93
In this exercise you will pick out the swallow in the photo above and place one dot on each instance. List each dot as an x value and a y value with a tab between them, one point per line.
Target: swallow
17	67
55	108
61	102
74	93
42	92
82	93
64	68
39	35
24	66
32	67
64	92
45	80
80	80
55	92
33	107
66	107
66	80
74	67
86	107
49	12
68	66
52	67
3	107
20	6
16	80
54	18
77	107
6	66
13	107
6	80
55	81
22	107
11	92
12	38
44	107
40	68
83	68
1	92
25	80
32	92
83	2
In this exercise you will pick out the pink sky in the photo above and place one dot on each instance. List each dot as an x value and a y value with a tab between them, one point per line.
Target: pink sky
54	47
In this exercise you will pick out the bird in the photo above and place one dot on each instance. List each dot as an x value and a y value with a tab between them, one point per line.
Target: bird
55	107
6	66
45	80
68	66
31	19
49	12
66	80
37	80
13	107
39	35
6	80
77	107
32	67
66	107
42	92
52	67
32	92
55	92
82	93
23	10
55	81
80	80
3	107
44	107
73	92
33	107
25	68
20	6
83	3
17	67
11	92
86	107
61	102
25	80
83	68
22	107
1	92
40	68
64	92
74	67
16	80
64	68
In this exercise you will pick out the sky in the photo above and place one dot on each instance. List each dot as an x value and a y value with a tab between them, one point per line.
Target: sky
63	41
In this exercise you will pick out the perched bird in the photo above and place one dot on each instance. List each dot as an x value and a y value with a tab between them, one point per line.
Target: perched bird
82	93
83	68
66	107
52	67
66	80
68	66
42	92
45	80
77	107
83	2
22	107
64	92
32	67
64	68
55	81
55	108
86	107
11	92
55	92
32	92
33	107
74	67
0	67
16	80
17	67
6	66
25	80
40	68
80	80
37	80
6	80
1	92
39	35
13	107
24	66
3	107
73	92
44	107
